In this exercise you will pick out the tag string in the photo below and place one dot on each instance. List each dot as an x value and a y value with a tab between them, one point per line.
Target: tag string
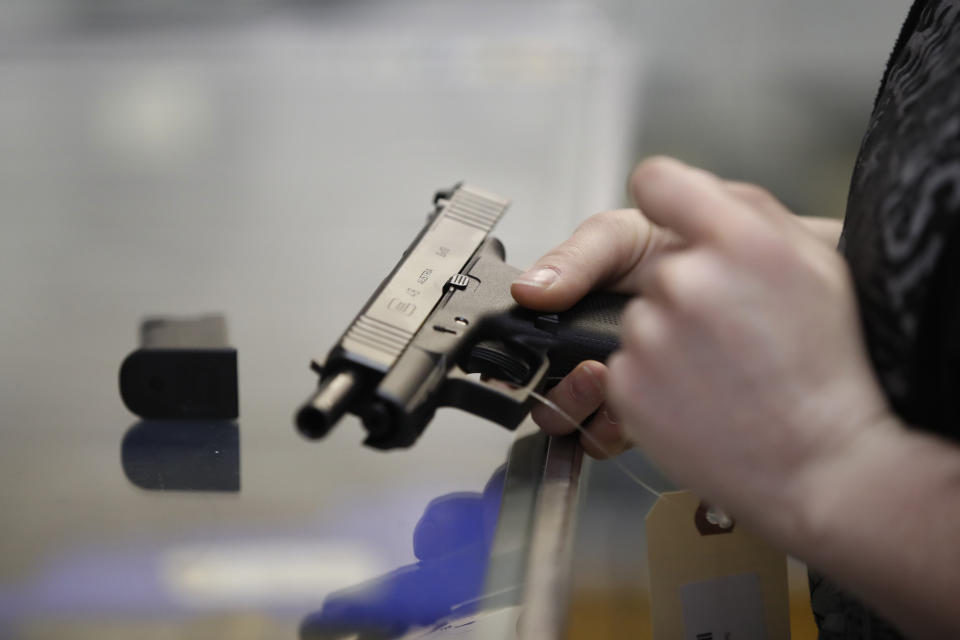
714	515
593	439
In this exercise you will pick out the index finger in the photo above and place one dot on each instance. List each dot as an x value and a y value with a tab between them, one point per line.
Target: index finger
692	202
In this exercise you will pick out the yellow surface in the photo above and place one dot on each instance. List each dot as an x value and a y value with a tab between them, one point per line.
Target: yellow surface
598	614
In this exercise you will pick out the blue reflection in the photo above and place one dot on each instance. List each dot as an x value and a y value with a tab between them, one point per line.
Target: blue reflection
452	544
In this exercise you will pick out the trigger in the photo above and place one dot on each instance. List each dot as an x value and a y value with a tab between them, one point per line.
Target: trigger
494	360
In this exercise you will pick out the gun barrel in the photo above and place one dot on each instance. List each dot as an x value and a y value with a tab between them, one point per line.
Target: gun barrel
325	407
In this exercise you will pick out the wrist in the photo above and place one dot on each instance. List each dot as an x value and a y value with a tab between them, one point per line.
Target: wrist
839	486
882	521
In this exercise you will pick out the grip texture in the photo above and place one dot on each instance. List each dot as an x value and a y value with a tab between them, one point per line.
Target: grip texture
590	330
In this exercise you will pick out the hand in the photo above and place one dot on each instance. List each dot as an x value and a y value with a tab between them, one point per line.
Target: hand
742	364
607	251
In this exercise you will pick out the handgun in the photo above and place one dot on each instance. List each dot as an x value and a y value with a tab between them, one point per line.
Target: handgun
442	330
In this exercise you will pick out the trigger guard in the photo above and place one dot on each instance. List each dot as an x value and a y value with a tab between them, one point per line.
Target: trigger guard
505	406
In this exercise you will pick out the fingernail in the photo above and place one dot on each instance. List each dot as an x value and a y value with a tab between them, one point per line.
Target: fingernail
611	418
541	277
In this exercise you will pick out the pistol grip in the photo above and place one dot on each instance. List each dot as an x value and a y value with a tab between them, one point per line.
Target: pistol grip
590	330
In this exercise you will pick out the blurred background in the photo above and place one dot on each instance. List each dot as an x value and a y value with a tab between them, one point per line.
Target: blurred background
269	160
777	92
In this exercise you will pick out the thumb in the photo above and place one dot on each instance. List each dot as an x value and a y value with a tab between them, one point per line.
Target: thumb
600	253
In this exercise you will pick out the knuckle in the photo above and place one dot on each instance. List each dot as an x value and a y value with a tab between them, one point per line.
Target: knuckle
754	194
564	255
623	232
769	246
648	172
652	168
762	194
608	222
643	332
671	278
585	385
685	284
607	245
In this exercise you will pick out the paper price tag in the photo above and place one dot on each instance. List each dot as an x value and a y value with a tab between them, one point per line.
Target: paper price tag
710	582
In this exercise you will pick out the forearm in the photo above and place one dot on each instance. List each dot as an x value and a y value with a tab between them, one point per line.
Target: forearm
884	520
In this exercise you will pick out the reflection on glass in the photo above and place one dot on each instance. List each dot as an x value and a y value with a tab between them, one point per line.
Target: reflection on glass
176	455
452	543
